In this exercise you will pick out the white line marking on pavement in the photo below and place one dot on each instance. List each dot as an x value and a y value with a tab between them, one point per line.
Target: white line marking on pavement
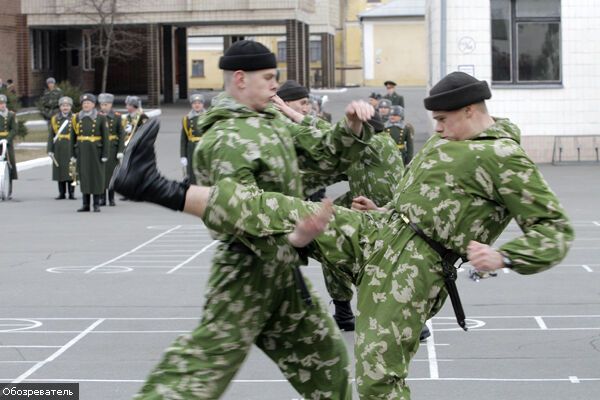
192	257
541	323
133	250
431	355
587	268
58	352
574	379
596	223
28	346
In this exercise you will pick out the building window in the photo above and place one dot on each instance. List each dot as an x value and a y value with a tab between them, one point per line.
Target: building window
40	50
315	50
526	41
198	68
86	51
282	51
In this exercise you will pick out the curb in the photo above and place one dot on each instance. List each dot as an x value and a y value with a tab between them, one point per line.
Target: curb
36	162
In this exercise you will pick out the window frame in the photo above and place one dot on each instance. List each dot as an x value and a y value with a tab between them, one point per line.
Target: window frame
203	75
514	49
87	60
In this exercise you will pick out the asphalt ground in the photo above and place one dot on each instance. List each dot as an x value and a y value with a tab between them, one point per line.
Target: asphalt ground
95	298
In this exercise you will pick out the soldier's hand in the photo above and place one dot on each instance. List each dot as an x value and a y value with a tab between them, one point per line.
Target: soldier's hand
50	154
362	203
287	110
483	257
358	112
312	226
183	161
73	159
119	156
104	159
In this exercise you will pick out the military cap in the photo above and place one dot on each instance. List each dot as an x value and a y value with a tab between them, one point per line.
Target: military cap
247	55
375	96
384	103
106	98
196	97
87	97
292	90
456	90
65	100
50	80
3	98
392	83
397	110
133	101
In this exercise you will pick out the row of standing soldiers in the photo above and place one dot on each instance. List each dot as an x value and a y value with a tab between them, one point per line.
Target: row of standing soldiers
86	147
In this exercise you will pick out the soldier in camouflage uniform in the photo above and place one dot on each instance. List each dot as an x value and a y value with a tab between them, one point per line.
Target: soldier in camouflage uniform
391	95
59	148
191	135
403	133
116	139
89	141
8	131
49	100
252	300
462	190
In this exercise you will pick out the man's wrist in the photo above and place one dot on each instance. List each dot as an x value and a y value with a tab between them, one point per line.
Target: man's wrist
506	261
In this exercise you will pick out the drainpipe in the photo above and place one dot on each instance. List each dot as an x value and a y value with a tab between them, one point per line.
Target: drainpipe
443	28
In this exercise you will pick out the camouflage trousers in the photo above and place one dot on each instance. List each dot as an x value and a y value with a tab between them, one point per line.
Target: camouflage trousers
398	277
252	301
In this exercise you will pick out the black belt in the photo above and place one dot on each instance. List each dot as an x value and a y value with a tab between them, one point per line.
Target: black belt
238	247
449	258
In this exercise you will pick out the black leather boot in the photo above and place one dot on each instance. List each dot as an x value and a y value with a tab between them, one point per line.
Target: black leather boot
61	190
424	333
343	315
86	203
96	199
102	199
137	178
111	198
71	190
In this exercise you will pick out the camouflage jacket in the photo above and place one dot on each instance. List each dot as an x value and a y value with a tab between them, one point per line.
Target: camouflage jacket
266	150
458	191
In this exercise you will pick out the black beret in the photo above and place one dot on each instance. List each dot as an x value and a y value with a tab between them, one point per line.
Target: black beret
389	83
375	96
247	55
456	90
292	90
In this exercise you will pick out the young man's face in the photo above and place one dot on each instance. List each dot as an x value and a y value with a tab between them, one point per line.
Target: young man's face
259	87
373	101
301	105
106	107
384	111
197	106
130	109
390	89
452	125
51	86
395	118
87	106
65	108
2	106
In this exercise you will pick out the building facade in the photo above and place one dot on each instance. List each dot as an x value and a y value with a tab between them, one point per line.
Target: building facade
539	57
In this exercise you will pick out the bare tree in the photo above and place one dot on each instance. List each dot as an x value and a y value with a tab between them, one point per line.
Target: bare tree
111	39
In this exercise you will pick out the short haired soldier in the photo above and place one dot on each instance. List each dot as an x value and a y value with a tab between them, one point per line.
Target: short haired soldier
403	133
296	96
59	148
472	173
49	100
116	140
191	134
90	146
8	131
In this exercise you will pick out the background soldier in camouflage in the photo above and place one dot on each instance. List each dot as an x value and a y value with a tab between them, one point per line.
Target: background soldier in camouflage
116	139
403	133
8	131
252	300
59	147
391	95
49	100
90	147
462	189
191	135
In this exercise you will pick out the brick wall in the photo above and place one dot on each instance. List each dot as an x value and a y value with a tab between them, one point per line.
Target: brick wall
9	21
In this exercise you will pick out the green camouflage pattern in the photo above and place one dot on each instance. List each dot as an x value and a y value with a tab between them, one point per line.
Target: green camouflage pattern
456	191
254	300
49	102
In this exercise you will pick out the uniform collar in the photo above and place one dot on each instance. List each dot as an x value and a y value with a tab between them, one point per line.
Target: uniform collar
4	113
92	114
